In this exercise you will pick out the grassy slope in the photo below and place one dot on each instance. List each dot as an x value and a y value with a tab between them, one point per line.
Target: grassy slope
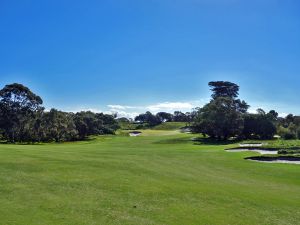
152	179
170	126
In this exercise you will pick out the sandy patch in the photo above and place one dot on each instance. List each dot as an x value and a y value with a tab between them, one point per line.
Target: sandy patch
254	150
278	161
135	134
251	145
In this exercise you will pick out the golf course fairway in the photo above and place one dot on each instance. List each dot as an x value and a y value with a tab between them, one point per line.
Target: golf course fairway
160	177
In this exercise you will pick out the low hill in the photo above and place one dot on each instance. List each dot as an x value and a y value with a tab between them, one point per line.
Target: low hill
170	126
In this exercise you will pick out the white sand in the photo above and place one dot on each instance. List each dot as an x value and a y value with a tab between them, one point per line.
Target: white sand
134	134
278	161
251	145
254	150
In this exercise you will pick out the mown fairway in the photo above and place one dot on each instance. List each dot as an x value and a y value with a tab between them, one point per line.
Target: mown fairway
160	178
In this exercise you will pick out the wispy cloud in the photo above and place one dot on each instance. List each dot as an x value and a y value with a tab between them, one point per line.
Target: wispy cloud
170	106
132	111
121	107
80	109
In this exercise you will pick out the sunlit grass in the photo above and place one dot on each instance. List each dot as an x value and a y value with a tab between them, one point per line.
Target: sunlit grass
161	177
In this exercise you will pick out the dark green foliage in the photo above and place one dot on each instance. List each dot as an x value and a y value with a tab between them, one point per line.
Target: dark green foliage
224	89
259	126
148	118
226	116
223	116
289	151
18	106
289	127
23	119
126	124
58	126
164	117
286	133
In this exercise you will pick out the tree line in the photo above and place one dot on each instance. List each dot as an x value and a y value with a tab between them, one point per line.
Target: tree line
226	116
24	119
151	120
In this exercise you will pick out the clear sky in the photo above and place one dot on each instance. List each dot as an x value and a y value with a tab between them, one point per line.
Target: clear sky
137	55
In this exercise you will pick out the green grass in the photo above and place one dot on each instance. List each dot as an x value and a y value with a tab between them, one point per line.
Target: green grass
161	177
170	126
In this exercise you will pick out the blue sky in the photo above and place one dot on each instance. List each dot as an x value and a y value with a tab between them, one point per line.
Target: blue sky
136	55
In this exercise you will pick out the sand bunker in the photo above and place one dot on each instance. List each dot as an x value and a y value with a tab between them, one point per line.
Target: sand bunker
135	134
277	161
251	145
254	150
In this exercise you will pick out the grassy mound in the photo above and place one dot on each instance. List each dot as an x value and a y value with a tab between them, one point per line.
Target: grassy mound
170	126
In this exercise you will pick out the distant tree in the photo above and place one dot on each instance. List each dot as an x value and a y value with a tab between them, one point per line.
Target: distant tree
259	126
261	111
126	123
289	119
223	116
148	118
273	115
107	123
89	123
180	117
224	89
18	105
297	120
59	126
124	120
164	117
190	116
23	119
286	133
86	123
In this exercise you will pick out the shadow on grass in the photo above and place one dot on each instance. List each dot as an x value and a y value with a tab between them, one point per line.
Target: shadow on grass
197	141
174	141
88	139
273	158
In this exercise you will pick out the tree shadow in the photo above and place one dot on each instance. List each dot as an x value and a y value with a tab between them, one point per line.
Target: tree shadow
211	141
86	139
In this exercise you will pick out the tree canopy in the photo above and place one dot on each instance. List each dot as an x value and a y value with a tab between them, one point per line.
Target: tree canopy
224	89
223	116
23	119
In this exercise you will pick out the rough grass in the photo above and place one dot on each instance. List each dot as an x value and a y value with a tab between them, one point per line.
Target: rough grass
158	178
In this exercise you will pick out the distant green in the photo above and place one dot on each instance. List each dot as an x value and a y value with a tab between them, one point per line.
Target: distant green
170	126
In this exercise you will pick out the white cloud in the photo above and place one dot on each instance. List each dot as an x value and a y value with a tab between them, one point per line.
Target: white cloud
184	106
120	107
266	108
283	115
132	111
170	106
79	109
124	114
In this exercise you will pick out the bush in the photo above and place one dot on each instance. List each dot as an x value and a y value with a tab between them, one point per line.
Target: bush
287	151
286	133
289	135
